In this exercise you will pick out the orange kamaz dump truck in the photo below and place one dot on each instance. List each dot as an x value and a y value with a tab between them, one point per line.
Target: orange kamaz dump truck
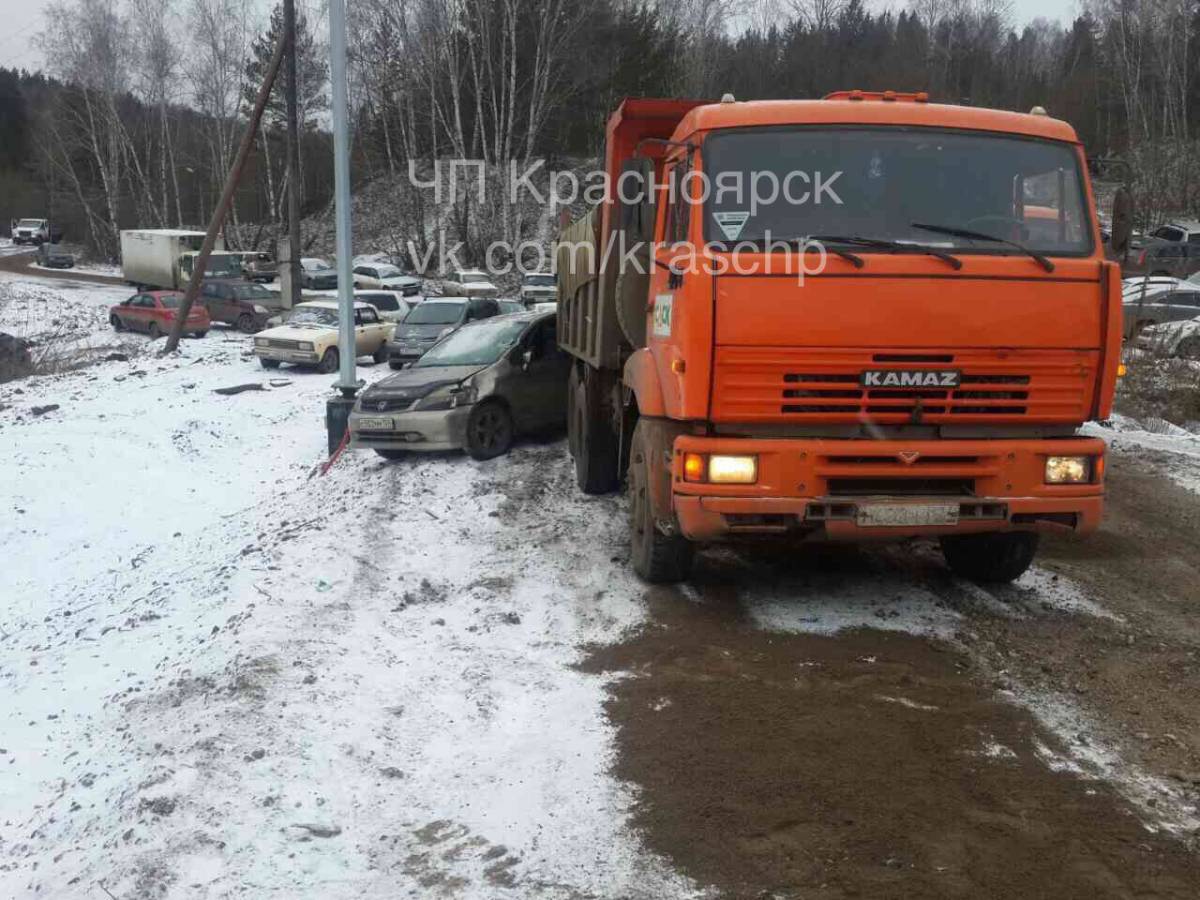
857	318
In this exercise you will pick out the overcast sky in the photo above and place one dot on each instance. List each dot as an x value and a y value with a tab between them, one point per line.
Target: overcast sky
23	19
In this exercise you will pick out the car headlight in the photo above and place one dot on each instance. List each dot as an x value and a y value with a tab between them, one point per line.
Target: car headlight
449	396
260	310
445	331
261	342
1068	469
304	345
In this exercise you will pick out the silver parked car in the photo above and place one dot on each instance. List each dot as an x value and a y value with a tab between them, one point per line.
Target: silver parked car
431	321
1158	307
476	389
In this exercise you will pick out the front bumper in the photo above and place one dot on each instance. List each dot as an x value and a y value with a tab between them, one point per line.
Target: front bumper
443	429
282	354
820	488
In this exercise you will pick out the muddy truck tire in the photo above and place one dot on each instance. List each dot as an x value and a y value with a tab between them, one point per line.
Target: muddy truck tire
990	558
590	436
657	557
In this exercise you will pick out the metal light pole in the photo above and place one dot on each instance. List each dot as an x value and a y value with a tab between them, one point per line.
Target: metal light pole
293	155
337	412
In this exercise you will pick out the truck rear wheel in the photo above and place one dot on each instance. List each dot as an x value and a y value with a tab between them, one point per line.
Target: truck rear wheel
658	558
990	558
590	436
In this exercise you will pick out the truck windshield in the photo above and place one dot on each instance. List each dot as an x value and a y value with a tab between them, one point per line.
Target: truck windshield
30	223
876	182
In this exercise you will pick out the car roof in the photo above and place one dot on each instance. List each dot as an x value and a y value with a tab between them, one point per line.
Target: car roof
162	293
459	300
528	315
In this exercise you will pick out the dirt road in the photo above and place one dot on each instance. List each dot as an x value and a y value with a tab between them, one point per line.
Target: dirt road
776	763
22	263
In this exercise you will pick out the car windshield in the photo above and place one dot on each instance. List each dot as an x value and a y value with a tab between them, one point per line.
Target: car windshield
385	302
539	280
252	292
388	271
433	313
314	315
477	345
877	182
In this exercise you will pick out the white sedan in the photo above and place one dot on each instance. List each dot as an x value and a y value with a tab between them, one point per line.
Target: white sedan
1172	338
385	277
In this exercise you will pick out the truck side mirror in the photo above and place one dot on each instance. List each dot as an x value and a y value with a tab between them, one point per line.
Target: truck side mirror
635	198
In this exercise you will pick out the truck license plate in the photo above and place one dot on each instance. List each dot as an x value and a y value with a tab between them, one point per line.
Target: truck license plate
900	515
375	424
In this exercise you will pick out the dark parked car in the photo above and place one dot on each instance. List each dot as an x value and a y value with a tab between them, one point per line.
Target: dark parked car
317	275
1177	258
432	320
52	256
477	389
259	266
15	360
240	303
1159	307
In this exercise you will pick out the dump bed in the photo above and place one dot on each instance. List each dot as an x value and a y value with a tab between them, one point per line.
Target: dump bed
587	280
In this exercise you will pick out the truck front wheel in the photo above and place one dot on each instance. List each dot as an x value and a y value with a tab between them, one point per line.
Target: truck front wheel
990	558
590	435
658	558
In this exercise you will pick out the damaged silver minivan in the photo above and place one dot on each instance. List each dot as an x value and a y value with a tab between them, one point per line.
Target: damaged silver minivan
476	389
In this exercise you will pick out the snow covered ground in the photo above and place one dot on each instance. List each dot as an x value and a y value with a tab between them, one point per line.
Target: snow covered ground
224	674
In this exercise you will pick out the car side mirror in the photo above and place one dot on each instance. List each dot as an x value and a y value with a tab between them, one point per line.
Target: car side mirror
527	358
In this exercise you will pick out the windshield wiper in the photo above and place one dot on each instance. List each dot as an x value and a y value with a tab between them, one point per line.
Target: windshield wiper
970	235
803	242
884	244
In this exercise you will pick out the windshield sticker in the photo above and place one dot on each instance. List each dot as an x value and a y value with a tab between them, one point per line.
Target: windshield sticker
662	315
731	223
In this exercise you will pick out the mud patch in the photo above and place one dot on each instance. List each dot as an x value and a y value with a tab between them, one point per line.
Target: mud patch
872	764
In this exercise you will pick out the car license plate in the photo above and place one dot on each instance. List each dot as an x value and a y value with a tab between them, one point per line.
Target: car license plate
378	423
901	515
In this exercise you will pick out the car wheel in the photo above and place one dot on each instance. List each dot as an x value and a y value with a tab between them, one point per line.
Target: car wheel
245	323
658	558
380	356
268	363
115	321
1189	347
990	558
329	361
489	430
201	334
154	331
389	453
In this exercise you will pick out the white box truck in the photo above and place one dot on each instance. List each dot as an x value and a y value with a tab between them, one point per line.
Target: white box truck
165	258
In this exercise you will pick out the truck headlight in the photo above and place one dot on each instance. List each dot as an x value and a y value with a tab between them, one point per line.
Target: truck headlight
304	345
720	468
1068	469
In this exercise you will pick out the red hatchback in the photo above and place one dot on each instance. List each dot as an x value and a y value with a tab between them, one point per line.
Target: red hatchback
155	311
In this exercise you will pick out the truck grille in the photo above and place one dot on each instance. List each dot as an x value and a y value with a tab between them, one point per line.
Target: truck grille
758	384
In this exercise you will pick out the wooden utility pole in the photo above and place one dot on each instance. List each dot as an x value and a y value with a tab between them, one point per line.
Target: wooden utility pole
293	152
226	201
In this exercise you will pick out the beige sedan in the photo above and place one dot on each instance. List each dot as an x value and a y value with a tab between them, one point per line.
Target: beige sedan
310	336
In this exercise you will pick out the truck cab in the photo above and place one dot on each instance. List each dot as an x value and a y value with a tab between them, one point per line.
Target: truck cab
857	318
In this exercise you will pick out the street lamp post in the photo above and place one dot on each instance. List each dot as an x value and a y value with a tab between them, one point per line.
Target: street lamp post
337	410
